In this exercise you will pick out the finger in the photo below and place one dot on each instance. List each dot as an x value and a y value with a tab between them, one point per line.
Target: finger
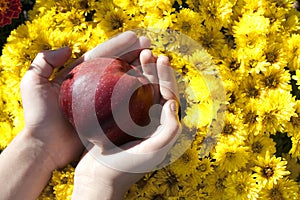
167	80
148	63
134	51
45	62
113	47
169	130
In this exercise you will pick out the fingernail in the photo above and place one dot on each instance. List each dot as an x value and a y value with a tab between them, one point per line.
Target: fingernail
174	106
164	57
164	60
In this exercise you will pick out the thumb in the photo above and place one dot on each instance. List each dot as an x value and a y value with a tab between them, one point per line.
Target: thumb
45	62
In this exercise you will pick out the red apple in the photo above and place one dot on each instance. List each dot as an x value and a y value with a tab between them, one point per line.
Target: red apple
112	91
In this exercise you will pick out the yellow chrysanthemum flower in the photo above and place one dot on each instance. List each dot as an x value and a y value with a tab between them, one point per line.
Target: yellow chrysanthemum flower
241	185
202	61
212	39
196	90
215	185
204	167
233	130
277	17
251	24
250	35
168	180
216	13
276	78
231	67
65	5
187	22
40	8
188	160
274	53
115	21
251	88
230	156
284	189
269	170
283	4
250	117
253	64
277	107
259	145
198	115
159	20
63	182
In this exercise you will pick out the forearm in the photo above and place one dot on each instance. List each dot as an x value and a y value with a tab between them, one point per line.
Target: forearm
24	169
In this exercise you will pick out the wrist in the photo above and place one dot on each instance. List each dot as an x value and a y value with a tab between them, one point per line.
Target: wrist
38	148
93	188
93	178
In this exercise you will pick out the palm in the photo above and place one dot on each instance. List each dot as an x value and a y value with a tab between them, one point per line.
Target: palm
44	119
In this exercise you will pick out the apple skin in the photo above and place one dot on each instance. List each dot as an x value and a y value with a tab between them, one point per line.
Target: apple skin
90	87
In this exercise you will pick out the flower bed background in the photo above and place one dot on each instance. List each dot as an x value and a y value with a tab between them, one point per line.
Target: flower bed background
255	45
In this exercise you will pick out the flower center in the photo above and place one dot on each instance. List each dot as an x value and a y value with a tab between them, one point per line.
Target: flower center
228	129
202	167
257	147
240	188
252	91
117	23
251	117
172	180
229	155
271	81
272	56
267	172
269	118
186	158
295	121
275	194
219	184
